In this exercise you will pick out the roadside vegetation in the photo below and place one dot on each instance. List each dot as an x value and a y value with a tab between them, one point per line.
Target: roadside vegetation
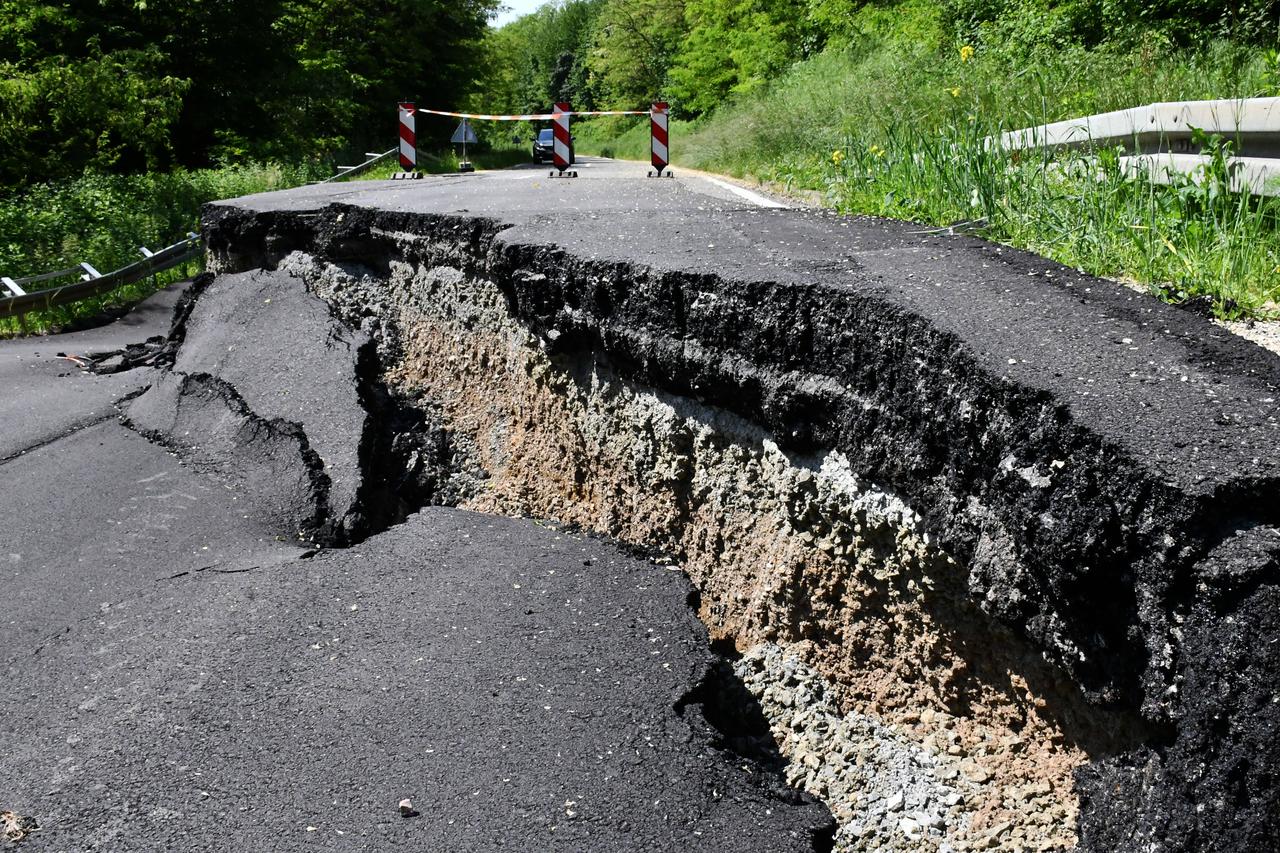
104	219
884	109
119	118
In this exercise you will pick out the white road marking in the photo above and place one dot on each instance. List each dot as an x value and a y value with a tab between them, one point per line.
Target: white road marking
755	198
517	174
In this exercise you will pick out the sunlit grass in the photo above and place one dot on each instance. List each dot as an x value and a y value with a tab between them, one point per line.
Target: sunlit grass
104	219
900	134
1191	238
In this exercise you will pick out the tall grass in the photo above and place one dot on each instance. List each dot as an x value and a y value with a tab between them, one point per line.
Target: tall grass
892	131
1190	238
104	219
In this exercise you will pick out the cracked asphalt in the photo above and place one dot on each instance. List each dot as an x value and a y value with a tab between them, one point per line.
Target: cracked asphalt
176	677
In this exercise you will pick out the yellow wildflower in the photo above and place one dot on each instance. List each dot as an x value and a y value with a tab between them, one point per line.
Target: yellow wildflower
954	92
876	151
837	156
966	53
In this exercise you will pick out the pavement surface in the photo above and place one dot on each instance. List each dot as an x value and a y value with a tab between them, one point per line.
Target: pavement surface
178	675
46	396
264	393
525	688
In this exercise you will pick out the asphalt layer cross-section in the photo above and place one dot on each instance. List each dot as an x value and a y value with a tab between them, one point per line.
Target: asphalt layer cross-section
1101	466
1142	374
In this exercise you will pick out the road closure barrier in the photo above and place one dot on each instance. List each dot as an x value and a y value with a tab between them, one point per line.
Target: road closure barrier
408	138
660	155
562	145
534	116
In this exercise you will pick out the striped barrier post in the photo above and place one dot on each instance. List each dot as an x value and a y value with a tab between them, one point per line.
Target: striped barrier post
561	150
659	153
562	146
408	139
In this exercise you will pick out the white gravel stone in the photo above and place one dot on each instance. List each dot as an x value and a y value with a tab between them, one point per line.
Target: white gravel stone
865	771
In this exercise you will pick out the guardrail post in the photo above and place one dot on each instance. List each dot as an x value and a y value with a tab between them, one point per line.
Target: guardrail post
92	282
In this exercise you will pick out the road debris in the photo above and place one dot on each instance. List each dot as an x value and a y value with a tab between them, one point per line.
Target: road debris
132	356
17	827
407	809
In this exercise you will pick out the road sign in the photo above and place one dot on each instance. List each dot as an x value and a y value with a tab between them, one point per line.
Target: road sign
561	139
464	134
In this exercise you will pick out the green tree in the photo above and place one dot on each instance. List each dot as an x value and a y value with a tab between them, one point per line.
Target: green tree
356	58
735	48
635	44
542	58
140	84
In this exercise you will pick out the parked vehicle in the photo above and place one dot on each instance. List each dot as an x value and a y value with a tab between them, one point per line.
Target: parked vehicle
544	146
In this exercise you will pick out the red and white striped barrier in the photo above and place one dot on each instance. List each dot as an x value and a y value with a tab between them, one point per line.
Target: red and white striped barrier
408	139
659	153
658	114
534	116
560	149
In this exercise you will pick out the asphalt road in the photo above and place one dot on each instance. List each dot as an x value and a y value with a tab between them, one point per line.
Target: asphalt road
180	676
176	676
46	396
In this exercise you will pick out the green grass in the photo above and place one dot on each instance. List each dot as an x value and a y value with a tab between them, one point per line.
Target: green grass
894	132
623	137
103	219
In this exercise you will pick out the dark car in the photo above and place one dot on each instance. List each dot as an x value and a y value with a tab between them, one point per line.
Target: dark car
544	145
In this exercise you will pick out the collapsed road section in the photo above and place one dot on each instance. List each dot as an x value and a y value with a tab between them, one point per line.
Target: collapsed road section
995	543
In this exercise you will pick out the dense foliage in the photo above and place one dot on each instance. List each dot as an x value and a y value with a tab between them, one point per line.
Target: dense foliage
133	85
697	54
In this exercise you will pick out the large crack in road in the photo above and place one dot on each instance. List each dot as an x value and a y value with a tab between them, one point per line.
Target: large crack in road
987	548
200	686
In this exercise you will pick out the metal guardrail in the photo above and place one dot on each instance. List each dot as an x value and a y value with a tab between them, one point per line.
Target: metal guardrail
16	301
1159	139
347	171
